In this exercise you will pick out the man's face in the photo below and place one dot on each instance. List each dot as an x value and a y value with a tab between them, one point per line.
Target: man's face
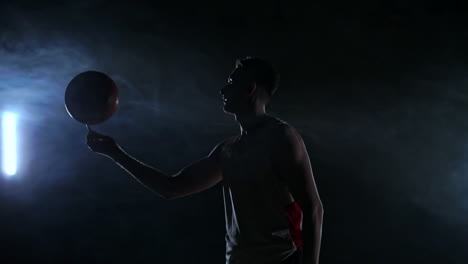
236	94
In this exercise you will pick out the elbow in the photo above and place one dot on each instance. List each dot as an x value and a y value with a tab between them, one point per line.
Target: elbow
317	210
163	195
170	191
313	212
165	190
170	196
167	195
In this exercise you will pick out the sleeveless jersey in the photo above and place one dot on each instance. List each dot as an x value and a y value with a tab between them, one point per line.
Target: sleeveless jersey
262	220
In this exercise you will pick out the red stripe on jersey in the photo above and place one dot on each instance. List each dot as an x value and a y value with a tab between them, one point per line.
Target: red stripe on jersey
294	213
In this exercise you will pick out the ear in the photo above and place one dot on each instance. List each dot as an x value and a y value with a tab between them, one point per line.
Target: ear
252	88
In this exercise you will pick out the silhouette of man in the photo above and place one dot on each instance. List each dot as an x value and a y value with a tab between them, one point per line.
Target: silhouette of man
273	210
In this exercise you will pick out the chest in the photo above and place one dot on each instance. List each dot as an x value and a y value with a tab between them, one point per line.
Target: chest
248	161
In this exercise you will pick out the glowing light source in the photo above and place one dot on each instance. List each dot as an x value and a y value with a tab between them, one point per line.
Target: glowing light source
9	143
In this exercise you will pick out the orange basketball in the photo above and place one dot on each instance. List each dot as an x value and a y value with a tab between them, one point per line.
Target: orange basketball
91	97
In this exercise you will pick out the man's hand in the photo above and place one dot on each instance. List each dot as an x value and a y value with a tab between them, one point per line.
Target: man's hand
102	144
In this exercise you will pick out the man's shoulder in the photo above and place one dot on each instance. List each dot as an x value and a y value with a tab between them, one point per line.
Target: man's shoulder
224	146
282	133
228	142
281	128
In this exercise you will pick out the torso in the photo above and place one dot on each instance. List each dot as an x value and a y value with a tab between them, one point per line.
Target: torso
255	199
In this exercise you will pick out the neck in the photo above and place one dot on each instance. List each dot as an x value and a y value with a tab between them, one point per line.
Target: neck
248	121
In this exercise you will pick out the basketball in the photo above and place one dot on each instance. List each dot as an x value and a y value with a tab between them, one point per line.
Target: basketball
91	97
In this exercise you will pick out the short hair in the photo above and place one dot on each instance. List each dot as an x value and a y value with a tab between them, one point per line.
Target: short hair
262	71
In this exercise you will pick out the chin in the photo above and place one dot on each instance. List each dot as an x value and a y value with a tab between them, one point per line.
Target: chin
229	110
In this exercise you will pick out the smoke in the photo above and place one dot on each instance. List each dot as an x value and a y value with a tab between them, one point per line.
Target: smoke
396	140
166	91
34	71
163	94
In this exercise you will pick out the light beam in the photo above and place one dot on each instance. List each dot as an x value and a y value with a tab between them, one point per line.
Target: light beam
9	143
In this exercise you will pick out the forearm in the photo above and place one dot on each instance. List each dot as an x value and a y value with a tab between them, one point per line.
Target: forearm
312	234
150	177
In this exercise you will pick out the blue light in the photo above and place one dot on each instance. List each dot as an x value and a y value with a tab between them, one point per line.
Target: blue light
9	143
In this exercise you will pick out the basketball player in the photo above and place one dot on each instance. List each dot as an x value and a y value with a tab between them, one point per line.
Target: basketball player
273	210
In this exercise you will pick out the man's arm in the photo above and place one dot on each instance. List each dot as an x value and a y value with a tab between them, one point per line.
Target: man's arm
194	178
294	166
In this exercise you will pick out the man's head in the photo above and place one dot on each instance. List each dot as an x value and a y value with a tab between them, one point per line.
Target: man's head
251	85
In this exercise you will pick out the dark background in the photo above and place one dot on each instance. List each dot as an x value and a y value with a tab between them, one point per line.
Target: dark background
379	93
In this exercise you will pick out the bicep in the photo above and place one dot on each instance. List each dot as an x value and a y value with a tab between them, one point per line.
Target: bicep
196	177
